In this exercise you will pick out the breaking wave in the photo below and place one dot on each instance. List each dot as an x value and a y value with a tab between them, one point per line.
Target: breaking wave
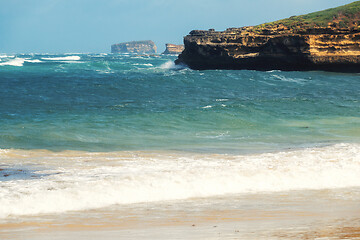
67	58
172	65
17	62
85	180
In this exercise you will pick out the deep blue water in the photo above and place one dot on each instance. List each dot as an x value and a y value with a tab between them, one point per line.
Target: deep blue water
109	102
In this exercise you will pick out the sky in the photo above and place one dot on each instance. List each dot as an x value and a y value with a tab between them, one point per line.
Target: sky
91	26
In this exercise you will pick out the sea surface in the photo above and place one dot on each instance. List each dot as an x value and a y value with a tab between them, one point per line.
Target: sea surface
104	136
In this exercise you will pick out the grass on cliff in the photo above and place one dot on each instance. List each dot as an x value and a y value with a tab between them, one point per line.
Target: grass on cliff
343	16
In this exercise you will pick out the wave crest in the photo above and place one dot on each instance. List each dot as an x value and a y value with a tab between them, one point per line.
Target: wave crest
17	62
85	180
67	58
171	65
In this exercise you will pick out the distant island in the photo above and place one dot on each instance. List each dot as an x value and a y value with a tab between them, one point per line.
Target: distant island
326	40
140	47
173	49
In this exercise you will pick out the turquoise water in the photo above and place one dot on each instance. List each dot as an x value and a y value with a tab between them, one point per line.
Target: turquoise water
103	102
144	131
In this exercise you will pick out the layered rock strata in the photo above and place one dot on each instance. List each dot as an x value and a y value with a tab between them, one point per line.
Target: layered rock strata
311	49
173	49
327	40
138	47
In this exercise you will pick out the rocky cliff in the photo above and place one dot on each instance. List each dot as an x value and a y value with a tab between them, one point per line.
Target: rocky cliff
173	49
141	47
327	40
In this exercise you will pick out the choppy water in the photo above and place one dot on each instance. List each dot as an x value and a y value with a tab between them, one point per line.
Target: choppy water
84	131
111	102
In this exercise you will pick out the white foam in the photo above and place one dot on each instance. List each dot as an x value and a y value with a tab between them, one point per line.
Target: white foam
17	62
171	65
33	60
99	55
288	79
208	106
80	181
143	64
6	56
67	58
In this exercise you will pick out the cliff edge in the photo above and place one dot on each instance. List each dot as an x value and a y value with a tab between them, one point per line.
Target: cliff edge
327	40
141	47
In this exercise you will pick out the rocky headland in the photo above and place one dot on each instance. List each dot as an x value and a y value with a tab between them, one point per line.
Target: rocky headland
327	40
173	49
138	47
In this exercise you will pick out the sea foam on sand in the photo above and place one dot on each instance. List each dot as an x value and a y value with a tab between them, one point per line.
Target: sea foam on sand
69	181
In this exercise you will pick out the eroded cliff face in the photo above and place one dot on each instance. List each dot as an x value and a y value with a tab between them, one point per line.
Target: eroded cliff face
140	47
317	48
173	49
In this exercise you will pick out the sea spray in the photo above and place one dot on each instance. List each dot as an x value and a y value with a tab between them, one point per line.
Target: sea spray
17	62
171	65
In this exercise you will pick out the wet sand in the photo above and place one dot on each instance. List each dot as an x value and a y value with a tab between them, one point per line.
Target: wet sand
326	214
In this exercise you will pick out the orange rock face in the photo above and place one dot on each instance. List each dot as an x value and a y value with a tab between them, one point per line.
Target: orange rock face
317	48
173	49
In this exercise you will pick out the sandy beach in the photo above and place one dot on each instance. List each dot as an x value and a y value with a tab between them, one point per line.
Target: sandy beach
325	214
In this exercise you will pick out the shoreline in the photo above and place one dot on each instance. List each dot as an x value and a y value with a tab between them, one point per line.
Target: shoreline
79	181
285	215
252	149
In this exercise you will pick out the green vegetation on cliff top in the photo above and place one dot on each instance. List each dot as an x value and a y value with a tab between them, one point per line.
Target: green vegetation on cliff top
343	16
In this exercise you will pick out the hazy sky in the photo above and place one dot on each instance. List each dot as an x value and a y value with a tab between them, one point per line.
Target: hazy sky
59	26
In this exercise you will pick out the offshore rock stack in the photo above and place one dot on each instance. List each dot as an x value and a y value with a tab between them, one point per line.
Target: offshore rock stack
173	49
139	47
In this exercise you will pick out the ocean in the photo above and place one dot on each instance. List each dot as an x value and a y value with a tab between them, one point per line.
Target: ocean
131	146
